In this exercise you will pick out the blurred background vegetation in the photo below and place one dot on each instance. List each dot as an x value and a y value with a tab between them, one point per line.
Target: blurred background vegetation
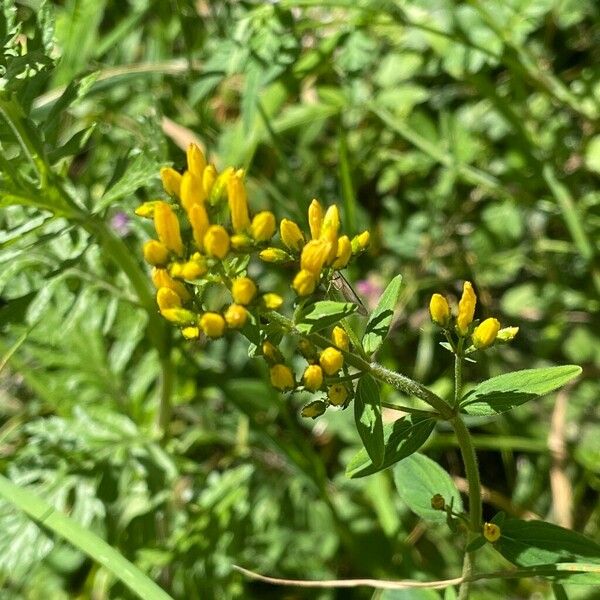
463	134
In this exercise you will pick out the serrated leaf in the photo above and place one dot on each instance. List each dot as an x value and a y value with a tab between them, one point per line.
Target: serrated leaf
367	415
537	543
381	318
505	392
320	315
418	479
400	439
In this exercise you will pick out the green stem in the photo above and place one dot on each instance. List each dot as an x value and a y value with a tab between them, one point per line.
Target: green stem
475	510
408	409
458	363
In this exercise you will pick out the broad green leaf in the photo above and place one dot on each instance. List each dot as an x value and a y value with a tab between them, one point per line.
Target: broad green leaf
367	415
537	543
319	315
381	317
505	392
401	439
418	479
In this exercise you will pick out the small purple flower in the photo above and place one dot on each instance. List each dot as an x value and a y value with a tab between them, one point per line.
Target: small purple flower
120	224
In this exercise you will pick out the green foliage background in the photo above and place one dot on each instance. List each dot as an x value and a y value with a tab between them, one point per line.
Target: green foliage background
463	134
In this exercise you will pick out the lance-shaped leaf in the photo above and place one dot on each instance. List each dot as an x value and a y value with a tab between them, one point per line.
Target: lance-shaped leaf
367	414
537	544
323	314
381	318
503	393
400	439
418	479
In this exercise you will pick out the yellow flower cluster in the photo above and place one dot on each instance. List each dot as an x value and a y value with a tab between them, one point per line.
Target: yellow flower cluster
198	245
320	253
206	235
482	335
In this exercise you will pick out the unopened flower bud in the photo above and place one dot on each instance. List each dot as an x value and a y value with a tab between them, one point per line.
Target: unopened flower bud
171	181
219	186
243	290
196	160
466	309
272	301
236	316
314	255
179	316
162	279
304	283
238	203
291	235
282	377
344	252
239	241
146	210
485	333
263	226
315	218
340	339
360	242
271	353
439	310
312	378
167	228
167	298
506	334
193	269
190	333
308	350
216	241
275	255
331	360
156	253
213	324
191	191
209	176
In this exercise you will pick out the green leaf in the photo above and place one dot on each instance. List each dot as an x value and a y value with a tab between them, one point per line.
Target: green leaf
83	539
505	392
380	319
418	479
323	314
367	415
401	439
537	543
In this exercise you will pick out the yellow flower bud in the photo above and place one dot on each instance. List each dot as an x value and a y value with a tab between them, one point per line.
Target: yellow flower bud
506	334
314	255
167	298
198	219
491	532
313	378
216	241
271	352
315	218
263	226
272	301
191	191
190	333
308	350
314	409
213	324
179	316
208	179
243	290
146	210
155	253
176	270
282	377
291	235
344	252
195	160
340	338
171	181
485	333
337	394
239	241
238	203
275	255
193	269
236	316
220	185
466	309
331	360
360	242
304	283
167	228
439	310
329	231
162	279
